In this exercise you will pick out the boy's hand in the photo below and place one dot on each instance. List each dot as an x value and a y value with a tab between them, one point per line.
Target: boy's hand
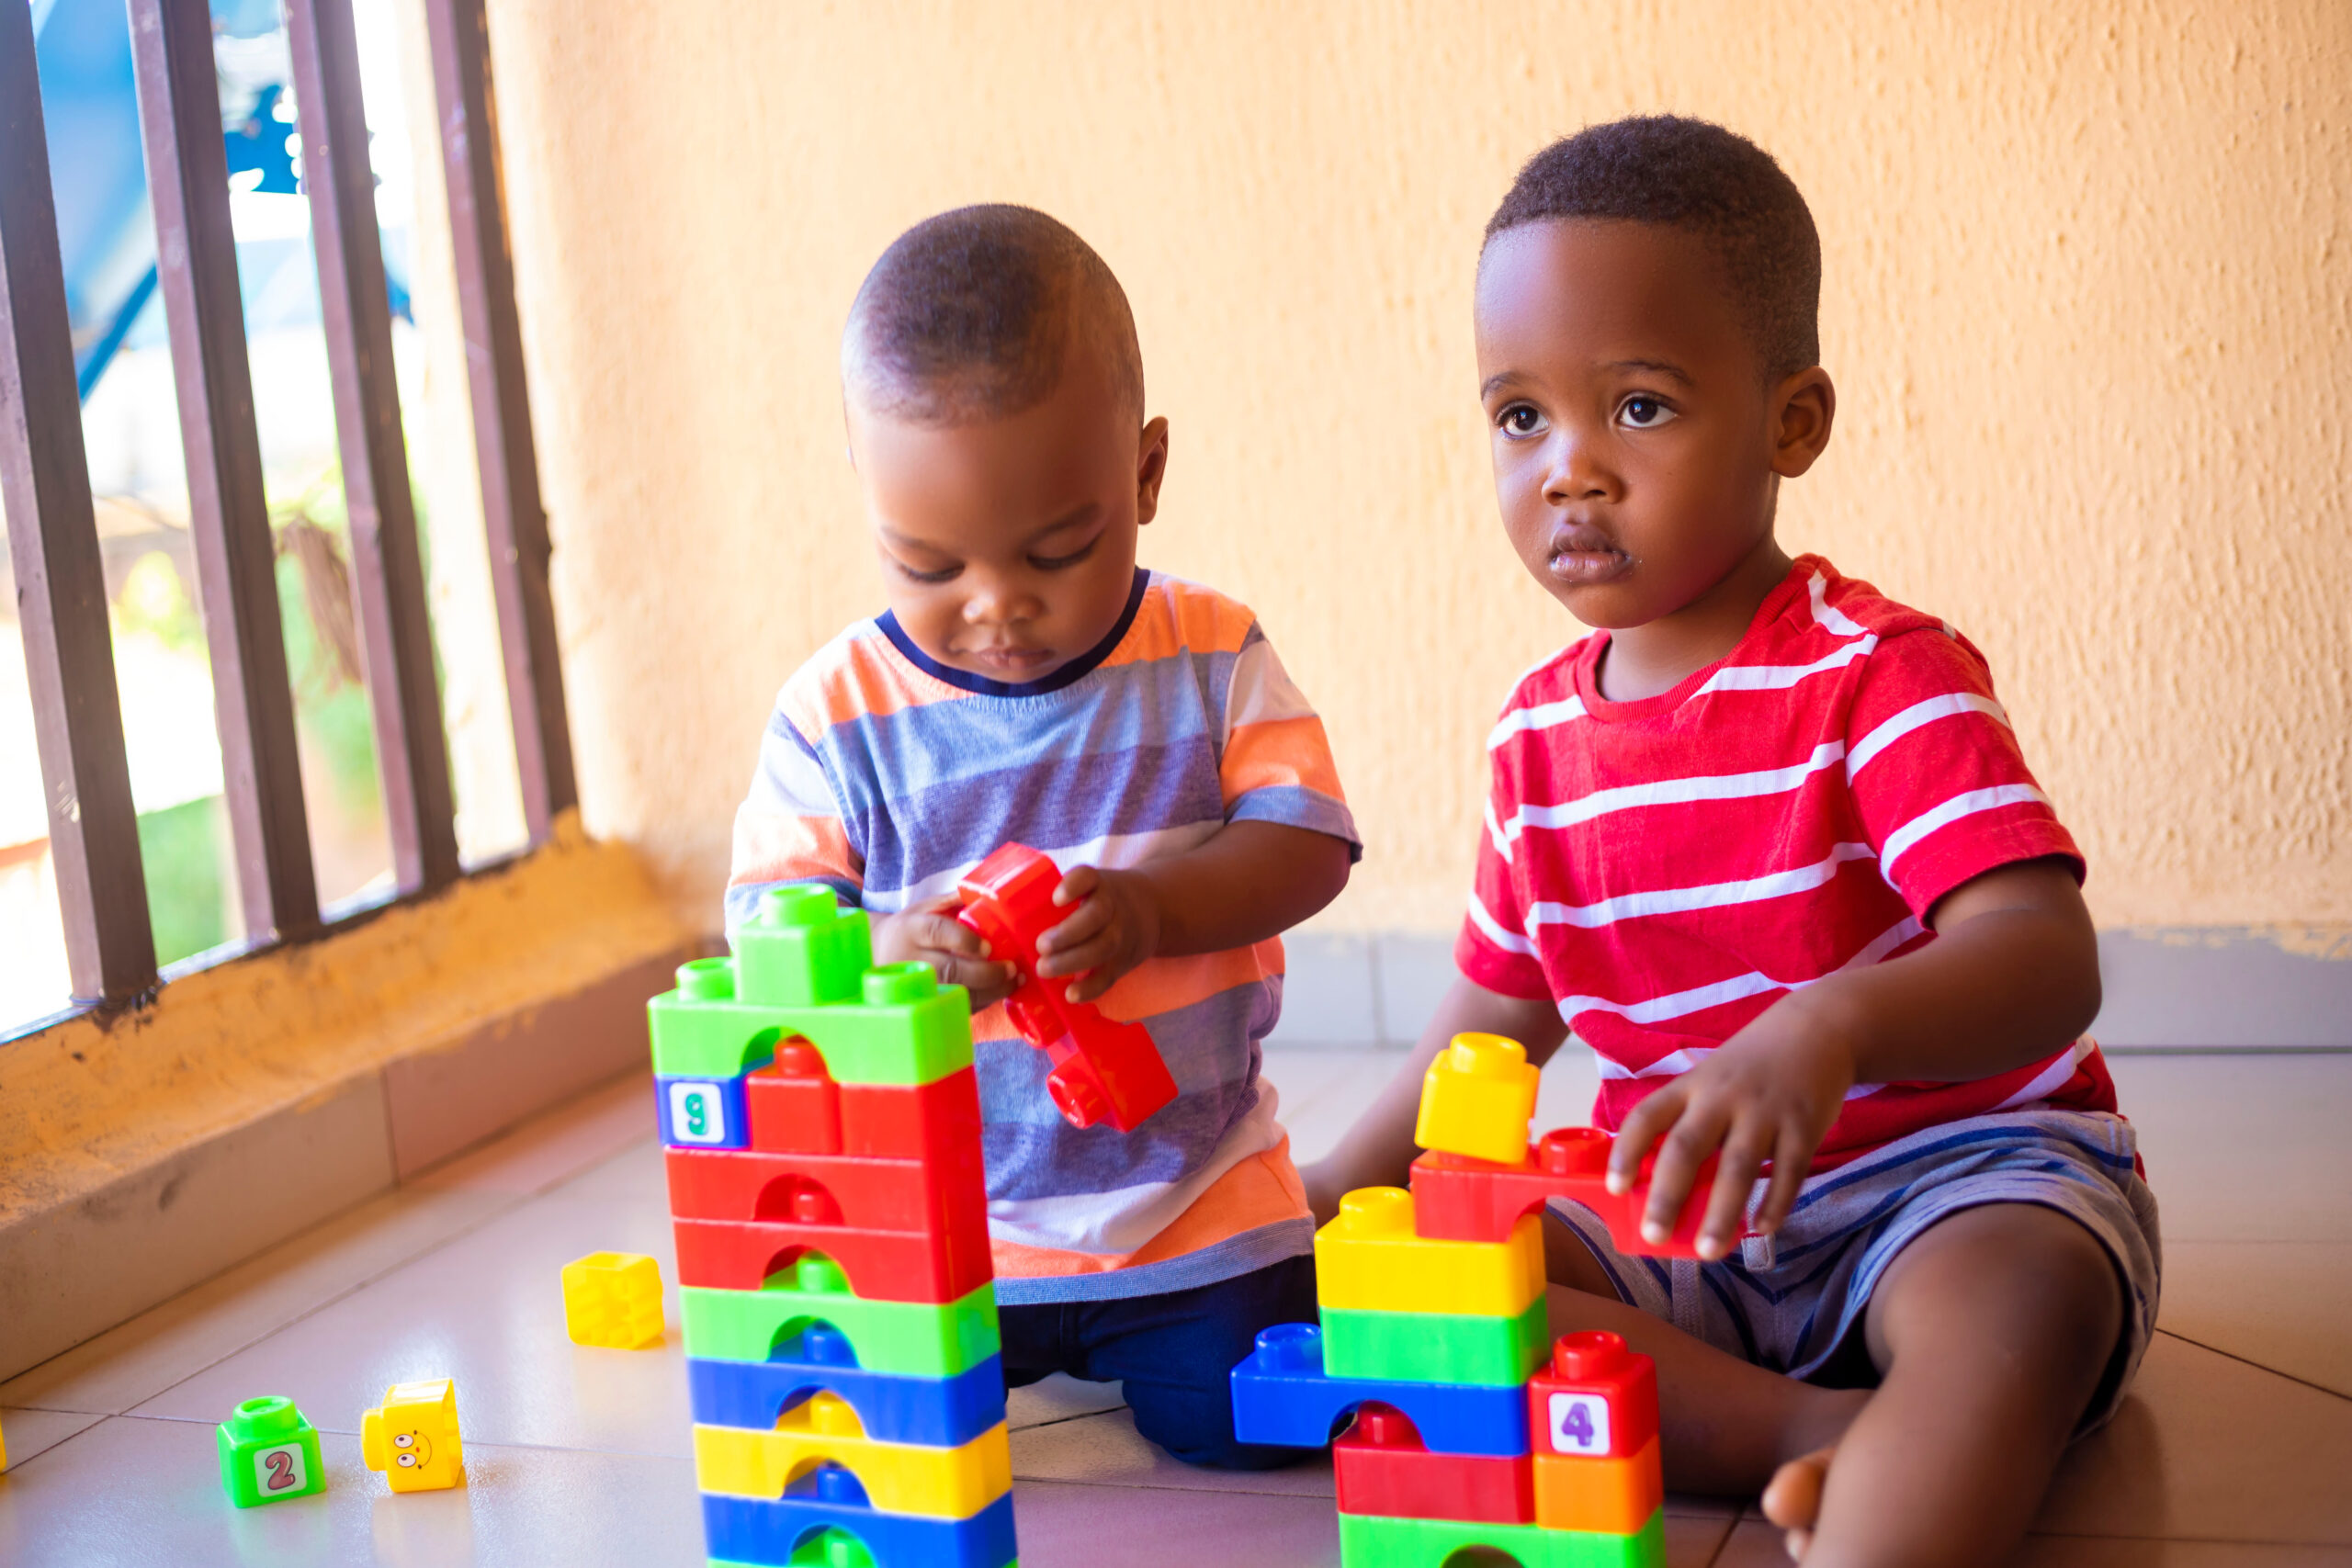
1116	927
1768	1093
930	933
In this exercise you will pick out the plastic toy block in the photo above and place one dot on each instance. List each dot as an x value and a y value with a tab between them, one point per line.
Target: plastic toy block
1382	1467
1597	1399
1434	1347
906	1029
940	1412
794	1107
1282	1395
1611	1495
1102	1070
1477	1099
1369	1540
702	1112
882	1266
613	1299
800	948
1371	1258
853	1190
1476	1200
902	1338
826	1521
412	1437
897	1478
269	1451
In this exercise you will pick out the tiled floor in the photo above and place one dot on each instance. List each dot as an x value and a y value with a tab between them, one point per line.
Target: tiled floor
2236	1447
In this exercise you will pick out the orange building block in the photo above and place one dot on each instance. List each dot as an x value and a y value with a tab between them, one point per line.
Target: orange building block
1607	1496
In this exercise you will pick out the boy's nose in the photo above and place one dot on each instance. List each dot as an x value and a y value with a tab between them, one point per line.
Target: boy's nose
1576	473
997	604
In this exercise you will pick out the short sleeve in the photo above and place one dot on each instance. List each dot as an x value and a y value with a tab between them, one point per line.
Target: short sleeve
789	828
1494	948
1274	764
1936	772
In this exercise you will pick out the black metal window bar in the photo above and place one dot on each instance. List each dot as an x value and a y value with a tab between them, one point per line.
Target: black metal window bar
53	535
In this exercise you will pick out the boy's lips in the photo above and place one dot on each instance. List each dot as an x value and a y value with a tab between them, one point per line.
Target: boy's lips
1585	557
1010	660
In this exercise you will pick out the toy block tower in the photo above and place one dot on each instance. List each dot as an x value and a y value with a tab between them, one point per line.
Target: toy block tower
1467	1434
826	1189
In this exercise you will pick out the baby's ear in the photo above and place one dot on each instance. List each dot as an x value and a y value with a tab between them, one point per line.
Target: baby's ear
1152	468
1804	406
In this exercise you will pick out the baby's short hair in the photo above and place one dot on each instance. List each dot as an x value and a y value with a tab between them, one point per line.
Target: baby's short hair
1691	174
972	314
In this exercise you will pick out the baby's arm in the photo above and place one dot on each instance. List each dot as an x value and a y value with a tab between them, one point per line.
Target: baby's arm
2011	976
1378	1150
1249	881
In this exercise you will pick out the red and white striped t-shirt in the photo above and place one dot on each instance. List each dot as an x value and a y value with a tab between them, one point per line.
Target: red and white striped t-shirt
1665	869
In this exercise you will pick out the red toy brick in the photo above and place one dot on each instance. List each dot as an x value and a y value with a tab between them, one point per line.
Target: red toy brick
845	1189
888	1266
794	1107
1102	1070
1597	1399
1381	1467
1457	1198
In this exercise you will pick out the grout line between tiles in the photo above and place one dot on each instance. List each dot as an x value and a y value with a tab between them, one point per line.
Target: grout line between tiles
2257	1366
1065	1420
470	1443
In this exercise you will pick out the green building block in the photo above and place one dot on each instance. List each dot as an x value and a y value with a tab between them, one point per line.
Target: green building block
269	1451
1370	1540
1434	1347
801	949
908	1339
906	1030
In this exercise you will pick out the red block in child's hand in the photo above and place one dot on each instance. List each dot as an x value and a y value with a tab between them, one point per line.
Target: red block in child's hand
1457	1198
1597	1399
1102	1070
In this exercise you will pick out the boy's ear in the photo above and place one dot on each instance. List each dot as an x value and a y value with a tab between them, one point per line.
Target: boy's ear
1151	466
1804	408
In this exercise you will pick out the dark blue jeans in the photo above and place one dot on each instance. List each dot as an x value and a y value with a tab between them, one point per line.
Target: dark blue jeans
1175	1354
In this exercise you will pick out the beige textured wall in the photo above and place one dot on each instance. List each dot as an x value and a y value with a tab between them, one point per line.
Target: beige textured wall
2088	288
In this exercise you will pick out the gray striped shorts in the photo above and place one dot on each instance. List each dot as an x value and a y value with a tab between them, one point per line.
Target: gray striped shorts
1791	1301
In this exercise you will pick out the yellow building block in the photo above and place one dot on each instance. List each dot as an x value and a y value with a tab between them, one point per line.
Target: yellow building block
412	1437
898	1478
613	1299
1477	1099
1369	1259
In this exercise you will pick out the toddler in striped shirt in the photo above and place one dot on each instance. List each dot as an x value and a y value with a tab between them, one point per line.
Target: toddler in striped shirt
1767	843
1029	683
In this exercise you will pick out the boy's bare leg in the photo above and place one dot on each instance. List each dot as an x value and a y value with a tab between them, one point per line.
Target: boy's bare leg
1991	1331
1726	1426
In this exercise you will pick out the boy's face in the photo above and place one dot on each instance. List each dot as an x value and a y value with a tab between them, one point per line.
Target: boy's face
1637	448
1008	544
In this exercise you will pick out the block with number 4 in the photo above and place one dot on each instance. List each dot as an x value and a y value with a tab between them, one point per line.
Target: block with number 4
1597	1399
269	1450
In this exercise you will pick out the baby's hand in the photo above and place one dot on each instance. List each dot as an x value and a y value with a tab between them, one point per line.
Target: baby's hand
1115	928
1768	1093
932	934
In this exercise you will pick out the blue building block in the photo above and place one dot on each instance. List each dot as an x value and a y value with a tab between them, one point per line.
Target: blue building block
942	1413
1283	1396
768	1531
702	1114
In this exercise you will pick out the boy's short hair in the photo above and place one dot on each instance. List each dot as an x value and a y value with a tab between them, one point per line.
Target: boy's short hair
1693	175
971	315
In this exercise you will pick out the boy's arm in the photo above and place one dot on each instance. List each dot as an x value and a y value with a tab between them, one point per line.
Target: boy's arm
1378	1150
2011	976
1248	881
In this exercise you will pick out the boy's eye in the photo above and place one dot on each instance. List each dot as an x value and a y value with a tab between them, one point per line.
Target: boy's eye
1520	419
1055	563
1643	413
944	574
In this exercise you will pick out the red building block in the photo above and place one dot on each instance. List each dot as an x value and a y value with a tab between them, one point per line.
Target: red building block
888	1266
1457	1198
828	1190
794	1107
1381	1467
1103	1070
1598	1399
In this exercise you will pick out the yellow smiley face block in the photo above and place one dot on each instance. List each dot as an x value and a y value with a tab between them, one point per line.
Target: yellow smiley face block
412	1437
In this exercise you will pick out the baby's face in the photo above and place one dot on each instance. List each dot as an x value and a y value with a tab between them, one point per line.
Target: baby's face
1008	544
1637	446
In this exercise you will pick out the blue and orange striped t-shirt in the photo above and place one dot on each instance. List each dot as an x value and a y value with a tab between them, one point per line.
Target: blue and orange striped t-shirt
887	777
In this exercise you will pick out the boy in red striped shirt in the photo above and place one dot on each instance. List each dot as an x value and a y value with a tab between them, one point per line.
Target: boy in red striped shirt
1768	844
